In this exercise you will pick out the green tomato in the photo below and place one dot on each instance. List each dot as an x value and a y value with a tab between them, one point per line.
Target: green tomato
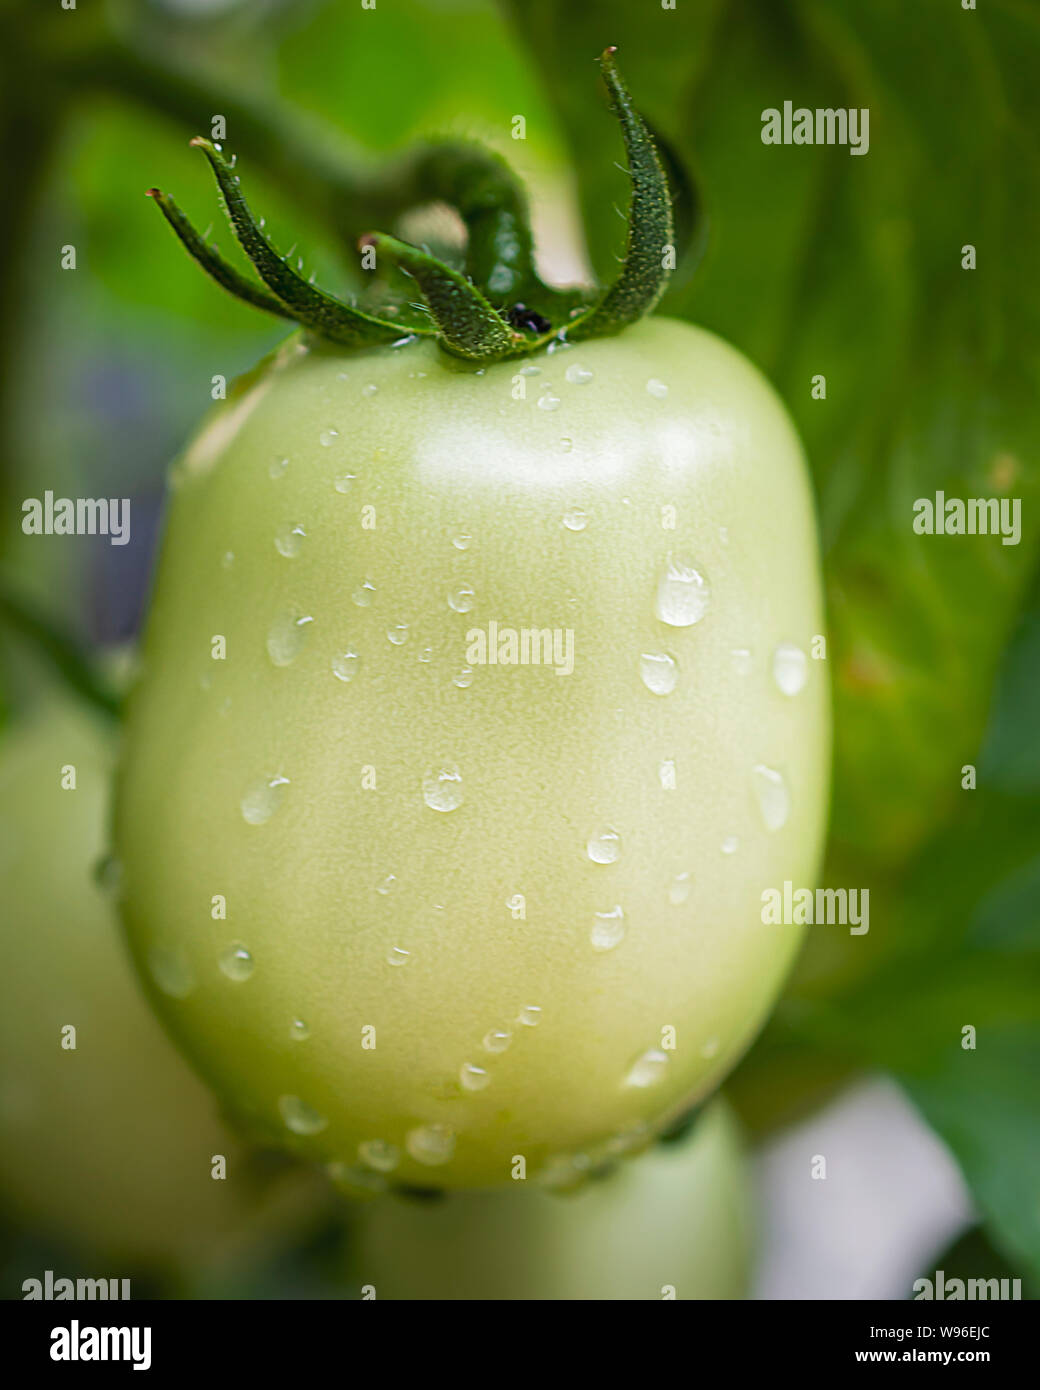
675	1223
108	1146
409	906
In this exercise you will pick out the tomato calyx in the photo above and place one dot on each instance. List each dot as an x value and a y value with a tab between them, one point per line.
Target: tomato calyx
496	306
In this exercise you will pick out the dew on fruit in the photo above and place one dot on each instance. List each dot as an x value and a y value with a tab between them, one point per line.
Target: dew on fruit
344	482
575	519
790	668
547	401
442	788
388	885
262	799
774	800
425	654
462	600
464	678
431	1144
328	437
286	637
276	468
398	634
227	559
378	1154
604	847
365	594
300	1117
171	972
741	660
648	1069
563	1172
679	889
656	388
236	962
298	1030
608	929
369	389
710	1048
529	369
497	1040
355	1181
730	844
345	666
473	1078
682	594
578	375
397	955
530	1015
659	672
462	541
289	539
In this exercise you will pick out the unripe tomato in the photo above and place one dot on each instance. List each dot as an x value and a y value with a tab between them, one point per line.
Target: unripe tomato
672	1224
414	910
108	1145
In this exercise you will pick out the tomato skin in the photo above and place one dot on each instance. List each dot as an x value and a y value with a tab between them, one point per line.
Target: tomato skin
108	1147
662	442
673	1223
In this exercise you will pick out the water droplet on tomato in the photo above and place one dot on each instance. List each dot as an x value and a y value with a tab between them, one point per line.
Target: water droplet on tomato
378	1154
473	1078
345	666
683	594
790	668
773	798
679	889
530	1015
286	637
604	847
462	600
289	540
171	972
497	1040
398	634
648	1069
328	437
656	388
659	672
442	788
236	962
578	375
608	929
262	799
575	519
300	1117
363	597
431	1144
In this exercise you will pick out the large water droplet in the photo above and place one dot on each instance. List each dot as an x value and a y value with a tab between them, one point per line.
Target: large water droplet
262	799
774	800
790	668
289	540
236	962
442	788
604	847
300	1117
649	1069
530	1015
171	972
345	666
473	1078
608	929
378	1154
497	1040
683	594
431	1144
286	637
462	600
659	672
